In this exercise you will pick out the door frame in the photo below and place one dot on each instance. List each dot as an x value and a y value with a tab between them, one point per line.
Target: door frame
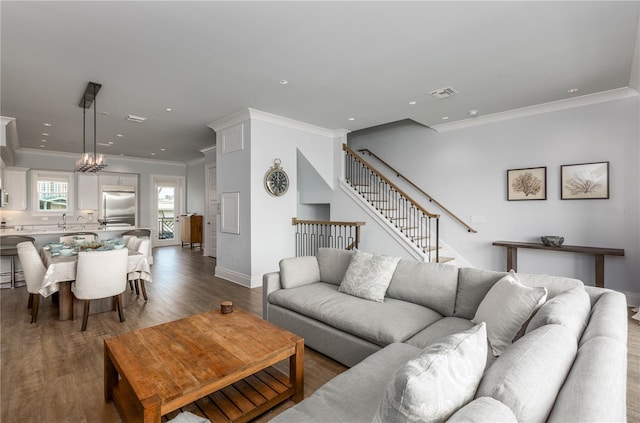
180	182
207	226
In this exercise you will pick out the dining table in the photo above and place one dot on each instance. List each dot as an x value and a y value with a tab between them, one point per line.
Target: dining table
61	272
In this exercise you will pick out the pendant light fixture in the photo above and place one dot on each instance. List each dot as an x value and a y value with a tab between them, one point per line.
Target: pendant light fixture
86	162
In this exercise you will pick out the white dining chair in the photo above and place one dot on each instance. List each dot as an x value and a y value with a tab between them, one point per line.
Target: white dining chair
100	274
142	246
34	271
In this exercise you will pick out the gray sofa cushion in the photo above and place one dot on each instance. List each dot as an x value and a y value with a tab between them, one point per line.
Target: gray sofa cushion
473	285
352	396
528	375
595	390
609	317
443	327
298	271
333	264
432	285
483	410
440	380
570	308
381	323
554	284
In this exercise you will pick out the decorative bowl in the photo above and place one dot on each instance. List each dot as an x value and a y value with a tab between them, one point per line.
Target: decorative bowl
55	247
552	241
117	246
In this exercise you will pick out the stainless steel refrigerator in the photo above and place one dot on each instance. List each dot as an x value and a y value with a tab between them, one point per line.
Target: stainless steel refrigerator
119	205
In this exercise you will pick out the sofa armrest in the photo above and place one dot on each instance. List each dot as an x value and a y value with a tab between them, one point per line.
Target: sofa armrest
270	283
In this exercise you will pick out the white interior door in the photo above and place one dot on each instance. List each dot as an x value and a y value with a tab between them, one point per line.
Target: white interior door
212	213
168	207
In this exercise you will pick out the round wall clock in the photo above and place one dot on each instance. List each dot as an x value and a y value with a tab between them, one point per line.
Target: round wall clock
276	180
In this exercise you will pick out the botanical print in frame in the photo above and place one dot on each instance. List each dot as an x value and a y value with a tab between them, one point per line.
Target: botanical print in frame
527	184
585	181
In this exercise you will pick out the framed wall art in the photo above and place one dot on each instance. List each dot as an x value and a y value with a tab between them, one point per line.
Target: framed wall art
527	184
585	181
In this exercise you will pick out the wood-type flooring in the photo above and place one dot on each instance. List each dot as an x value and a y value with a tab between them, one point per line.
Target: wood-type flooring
52	372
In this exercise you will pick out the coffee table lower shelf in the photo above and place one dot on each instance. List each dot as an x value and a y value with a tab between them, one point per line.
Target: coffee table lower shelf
241	401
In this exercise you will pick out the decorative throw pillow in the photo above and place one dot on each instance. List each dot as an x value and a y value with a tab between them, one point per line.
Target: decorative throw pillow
368	275
506	308
440	380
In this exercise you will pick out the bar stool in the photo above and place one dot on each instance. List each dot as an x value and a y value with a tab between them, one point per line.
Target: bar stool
8	248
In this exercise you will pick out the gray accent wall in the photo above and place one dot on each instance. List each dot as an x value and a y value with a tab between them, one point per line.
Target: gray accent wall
466	170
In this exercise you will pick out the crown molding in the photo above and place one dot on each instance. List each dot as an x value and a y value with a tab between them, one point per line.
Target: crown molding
253	114
74	156
585	100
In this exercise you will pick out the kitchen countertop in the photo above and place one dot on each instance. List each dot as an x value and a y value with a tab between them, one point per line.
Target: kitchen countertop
31	230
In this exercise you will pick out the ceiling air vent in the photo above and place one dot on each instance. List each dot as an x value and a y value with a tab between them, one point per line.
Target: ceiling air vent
443	93
137	119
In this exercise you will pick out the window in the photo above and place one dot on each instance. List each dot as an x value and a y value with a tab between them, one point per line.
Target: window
52	192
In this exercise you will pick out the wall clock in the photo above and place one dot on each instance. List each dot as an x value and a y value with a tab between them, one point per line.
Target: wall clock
276	180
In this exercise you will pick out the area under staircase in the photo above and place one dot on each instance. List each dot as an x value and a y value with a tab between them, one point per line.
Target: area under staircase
418	226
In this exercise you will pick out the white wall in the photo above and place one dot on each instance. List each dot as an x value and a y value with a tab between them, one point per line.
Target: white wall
466	171
196	187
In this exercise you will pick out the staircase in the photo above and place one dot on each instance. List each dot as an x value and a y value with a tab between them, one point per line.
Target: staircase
418	226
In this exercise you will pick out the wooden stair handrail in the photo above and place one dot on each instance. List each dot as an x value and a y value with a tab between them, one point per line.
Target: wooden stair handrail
388	182
431	199
295	221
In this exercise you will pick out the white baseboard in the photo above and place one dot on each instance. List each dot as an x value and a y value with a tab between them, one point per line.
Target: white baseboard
232	276
633	298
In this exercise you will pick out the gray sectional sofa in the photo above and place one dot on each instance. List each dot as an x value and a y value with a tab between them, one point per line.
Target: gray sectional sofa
566	363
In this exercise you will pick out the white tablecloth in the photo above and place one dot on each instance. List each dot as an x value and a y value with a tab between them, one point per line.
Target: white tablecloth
62	269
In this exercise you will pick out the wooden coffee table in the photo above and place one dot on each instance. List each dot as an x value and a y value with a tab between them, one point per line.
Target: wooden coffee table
222	362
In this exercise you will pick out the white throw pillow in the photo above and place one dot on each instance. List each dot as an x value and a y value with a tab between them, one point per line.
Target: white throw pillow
368	275
440	380
506	308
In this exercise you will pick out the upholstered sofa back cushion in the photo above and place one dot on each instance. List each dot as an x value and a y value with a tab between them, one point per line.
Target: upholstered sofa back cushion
528	375
473	285
299	271
333	264
432	285
554	284
570	308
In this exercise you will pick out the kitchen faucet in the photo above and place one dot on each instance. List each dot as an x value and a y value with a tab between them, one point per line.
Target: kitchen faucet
84	220
64	222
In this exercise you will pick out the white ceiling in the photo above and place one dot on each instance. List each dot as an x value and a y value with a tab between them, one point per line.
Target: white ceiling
362	60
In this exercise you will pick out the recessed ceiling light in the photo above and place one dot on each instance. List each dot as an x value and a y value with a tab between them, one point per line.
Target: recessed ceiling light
572	90
352	118
473	112
44	134
162	149
43	140
153	154
119	135
412	102
283	82
46	124
41	146
110	143
445	117
169	109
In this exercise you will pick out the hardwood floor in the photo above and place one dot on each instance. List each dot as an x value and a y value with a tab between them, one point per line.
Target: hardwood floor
52	372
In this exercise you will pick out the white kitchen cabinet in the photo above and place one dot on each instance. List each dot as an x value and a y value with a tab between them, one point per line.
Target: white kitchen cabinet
87	192
14	184
119	179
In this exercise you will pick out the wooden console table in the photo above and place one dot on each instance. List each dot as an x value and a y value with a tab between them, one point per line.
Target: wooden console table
598	253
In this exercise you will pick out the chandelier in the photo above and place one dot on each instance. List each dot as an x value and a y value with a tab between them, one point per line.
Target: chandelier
88	162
